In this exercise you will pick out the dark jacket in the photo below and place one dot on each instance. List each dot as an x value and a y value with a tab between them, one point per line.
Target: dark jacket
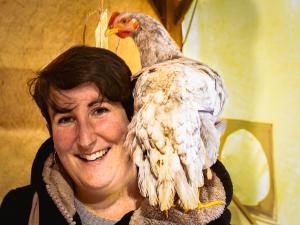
16	205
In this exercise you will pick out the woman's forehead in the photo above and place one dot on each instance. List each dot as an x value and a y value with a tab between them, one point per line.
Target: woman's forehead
87	93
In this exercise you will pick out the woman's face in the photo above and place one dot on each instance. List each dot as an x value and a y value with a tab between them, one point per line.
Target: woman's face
88	135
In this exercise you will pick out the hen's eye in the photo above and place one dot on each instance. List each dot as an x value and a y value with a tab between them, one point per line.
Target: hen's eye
65	120
123	20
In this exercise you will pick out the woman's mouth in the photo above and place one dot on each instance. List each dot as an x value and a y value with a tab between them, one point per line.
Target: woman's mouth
94	156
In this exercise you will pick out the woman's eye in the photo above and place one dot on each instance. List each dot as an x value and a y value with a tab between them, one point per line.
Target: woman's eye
65	120
100	111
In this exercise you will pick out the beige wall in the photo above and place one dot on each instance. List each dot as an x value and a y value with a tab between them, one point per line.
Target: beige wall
255	46
32	33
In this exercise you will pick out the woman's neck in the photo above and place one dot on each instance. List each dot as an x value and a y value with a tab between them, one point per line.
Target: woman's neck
112	204
113	207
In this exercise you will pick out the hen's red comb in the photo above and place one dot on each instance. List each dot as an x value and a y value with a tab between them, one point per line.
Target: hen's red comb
112	18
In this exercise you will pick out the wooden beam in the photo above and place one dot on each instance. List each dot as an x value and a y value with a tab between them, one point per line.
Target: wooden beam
174	29
157	6
181	10
171	14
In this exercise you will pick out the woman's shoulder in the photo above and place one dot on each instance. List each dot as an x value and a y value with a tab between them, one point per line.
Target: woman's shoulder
16	205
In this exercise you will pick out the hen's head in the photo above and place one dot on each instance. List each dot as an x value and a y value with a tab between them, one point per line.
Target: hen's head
153	41
123	25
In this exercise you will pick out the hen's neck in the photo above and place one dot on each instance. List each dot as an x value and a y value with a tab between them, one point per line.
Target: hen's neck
154	43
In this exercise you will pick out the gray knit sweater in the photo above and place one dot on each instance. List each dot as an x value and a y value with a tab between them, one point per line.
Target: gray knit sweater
88	218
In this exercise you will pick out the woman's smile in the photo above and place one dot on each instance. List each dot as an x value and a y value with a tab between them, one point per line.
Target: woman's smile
95	155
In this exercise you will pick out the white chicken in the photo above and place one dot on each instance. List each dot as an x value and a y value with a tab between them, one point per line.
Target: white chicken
175	132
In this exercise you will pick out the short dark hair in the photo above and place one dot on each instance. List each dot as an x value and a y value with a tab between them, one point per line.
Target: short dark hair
81	64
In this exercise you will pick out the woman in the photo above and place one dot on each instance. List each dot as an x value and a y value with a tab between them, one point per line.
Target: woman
85	97
83	174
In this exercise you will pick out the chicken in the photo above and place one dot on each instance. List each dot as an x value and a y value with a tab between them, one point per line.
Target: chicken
175	132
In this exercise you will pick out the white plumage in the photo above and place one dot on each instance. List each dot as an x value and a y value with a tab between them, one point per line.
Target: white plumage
174	134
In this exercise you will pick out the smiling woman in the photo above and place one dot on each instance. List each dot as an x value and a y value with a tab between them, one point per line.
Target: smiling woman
83	171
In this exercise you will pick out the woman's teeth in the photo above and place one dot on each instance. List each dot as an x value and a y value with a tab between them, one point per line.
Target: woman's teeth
95	155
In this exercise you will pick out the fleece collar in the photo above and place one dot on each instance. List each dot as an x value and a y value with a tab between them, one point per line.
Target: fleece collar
60	189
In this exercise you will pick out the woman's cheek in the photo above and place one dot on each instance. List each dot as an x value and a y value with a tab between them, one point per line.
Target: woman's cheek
64	139
113	130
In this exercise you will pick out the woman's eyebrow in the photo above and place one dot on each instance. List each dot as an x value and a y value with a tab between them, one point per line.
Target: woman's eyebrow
94	103
61	110
99	100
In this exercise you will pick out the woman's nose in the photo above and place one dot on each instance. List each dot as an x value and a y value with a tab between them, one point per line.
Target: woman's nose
86	135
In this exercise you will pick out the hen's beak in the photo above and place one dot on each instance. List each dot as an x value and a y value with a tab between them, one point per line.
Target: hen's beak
111	31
